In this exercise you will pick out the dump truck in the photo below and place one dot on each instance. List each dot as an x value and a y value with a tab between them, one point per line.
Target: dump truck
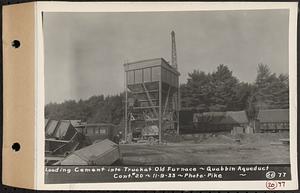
150	133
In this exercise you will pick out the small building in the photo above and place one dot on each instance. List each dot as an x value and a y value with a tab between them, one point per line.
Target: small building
230	121
98	131
101	153
273	120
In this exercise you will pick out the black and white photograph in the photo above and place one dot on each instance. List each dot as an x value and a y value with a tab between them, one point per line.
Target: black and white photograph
169	88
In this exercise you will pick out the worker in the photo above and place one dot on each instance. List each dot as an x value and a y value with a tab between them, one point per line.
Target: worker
120	135
117	139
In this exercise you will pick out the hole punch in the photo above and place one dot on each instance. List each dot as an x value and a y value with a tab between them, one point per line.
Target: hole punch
16	44
16	146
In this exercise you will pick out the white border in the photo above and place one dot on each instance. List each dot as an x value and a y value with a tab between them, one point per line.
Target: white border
162	6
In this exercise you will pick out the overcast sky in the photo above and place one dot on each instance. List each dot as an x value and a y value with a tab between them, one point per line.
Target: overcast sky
85	52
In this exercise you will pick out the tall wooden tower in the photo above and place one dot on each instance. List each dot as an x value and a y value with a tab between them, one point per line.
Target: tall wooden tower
151	99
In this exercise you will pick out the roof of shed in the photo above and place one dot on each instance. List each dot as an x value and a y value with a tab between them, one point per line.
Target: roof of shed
50	127
237	116
63	129
229	117
95	150
273	115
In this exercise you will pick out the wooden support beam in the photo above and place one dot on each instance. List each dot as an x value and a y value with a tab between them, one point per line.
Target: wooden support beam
126	111
167	100
159	116
152	107
150	100
178	105
143	92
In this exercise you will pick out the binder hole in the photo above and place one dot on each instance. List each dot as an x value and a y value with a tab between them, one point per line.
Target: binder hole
16	146
16	43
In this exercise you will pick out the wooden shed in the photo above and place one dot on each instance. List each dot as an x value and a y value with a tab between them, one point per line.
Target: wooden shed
210	122
104	152
273	120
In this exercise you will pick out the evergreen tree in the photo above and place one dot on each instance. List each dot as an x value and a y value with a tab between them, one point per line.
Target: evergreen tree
197	92
224	86
218	91
271	91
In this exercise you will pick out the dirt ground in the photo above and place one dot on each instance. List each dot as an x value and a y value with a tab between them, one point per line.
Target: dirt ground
211	149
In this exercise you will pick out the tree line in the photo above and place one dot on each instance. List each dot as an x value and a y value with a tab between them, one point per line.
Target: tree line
96	109
221	91
216	91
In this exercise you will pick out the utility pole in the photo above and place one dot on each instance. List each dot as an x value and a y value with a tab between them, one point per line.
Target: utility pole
175	65
126	110
174	54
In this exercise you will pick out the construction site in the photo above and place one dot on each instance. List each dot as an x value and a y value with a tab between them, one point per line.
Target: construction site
156	131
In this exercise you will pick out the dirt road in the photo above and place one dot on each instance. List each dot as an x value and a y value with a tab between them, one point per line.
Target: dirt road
201	154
